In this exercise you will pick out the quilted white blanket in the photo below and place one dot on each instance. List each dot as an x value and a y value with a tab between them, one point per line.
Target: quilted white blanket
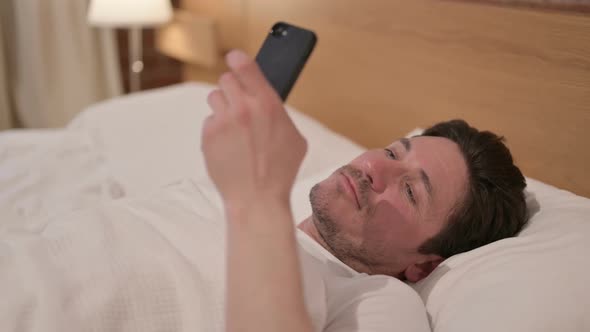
116	267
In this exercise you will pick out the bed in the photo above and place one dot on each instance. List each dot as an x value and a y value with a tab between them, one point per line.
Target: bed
522	73
121	148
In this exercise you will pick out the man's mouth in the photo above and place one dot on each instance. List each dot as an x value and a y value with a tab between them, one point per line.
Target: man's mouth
350	188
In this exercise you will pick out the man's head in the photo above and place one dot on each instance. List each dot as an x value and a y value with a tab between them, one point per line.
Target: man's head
401	210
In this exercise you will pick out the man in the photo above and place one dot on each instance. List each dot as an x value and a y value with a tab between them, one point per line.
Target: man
156	263
397	211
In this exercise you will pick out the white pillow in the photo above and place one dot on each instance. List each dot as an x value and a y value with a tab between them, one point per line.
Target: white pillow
152	138
538	281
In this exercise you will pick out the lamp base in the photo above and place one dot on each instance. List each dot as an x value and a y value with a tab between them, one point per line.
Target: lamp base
135	58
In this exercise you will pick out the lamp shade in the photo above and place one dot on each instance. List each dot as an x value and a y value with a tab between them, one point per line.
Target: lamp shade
126	13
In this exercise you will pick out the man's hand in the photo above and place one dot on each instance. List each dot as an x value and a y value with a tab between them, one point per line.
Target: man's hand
252	149
253	152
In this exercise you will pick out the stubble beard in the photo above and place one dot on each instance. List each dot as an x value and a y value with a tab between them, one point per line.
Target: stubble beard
329	230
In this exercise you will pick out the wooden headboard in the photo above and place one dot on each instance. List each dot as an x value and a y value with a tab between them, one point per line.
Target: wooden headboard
382	68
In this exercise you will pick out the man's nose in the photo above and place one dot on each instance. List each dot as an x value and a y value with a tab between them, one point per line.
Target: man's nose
383	172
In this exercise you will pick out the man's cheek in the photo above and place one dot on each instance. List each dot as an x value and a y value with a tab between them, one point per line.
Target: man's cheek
391	222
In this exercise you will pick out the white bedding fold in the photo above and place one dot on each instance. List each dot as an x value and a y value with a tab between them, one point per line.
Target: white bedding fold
43	172
117	267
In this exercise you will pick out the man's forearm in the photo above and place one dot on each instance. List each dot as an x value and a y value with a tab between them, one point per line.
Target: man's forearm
252	153
265	290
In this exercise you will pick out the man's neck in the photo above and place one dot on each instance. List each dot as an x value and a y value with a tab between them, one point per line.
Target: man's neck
308	227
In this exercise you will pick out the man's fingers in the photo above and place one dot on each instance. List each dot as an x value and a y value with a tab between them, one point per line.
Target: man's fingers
247	72
232	89
217	101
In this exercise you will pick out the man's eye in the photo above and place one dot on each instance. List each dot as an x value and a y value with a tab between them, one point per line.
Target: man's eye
390	154
410	194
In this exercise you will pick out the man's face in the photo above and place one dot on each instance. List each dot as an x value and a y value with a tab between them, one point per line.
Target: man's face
375	212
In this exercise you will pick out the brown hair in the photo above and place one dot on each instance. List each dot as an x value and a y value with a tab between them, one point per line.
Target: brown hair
493	206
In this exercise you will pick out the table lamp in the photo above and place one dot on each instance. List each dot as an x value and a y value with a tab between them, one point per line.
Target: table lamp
134	15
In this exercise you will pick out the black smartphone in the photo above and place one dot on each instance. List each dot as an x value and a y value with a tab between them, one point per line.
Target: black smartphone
283	55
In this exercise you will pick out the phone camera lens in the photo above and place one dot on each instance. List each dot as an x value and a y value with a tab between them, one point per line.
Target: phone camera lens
279	30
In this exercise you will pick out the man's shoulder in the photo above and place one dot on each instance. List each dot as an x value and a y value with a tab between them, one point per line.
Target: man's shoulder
386	288
375	303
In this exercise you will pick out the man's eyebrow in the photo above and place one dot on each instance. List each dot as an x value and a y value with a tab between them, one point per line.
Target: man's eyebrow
406	143
425	178
427	183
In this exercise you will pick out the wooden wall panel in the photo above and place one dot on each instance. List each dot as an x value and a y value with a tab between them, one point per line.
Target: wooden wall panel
382	68
230	17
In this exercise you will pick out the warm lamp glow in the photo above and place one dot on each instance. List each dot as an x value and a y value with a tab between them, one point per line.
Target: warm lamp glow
125	13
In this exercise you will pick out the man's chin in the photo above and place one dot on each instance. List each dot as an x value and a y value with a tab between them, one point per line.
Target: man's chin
329	207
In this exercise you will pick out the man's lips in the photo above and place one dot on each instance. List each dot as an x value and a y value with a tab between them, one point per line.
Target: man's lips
350	187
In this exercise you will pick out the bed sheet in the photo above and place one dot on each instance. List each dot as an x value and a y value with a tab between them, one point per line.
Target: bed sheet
537	281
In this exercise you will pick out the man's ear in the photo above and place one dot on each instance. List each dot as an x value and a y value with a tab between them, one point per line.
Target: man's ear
421	270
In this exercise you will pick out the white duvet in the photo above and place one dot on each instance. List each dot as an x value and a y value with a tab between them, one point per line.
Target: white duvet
44	172
100	267
117	267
